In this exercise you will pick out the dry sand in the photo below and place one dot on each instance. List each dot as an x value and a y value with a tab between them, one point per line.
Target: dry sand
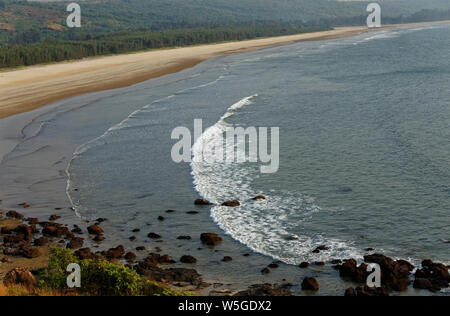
29	88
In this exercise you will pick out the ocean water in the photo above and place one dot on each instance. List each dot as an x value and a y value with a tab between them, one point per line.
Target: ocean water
364	155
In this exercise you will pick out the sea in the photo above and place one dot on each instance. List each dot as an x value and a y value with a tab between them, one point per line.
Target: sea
364	147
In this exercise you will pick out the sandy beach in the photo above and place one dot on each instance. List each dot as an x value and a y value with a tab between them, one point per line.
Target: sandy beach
29	88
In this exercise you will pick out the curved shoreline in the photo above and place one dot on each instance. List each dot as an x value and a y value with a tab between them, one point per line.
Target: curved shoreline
30	88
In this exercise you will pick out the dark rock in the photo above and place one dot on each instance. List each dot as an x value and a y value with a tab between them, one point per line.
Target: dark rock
320	248
259	197
304	265
101	220
319	263
192	212
32	221
115	253
14	214
227	259
310	284
184	237
188	259
54	218
336	261
161	218
25	230
140	248
132	238
273	265
75	243
424	284
136	230
210	239
95	230
265	271
202	202
234	203
260	290
85	254
130	256
99	238
77	230
154	236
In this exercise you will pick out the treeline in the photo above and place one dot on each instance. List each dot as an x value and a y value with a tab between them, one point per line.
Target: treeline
57	50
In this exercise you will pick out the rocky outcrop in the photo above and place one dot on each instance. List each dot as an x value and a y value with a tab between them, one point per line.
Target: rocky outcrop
115	253
95	230
432	276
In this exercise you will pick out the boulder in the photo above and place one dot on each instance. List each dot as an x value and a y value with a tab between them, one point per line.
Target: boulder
130	256
75	243
30	252
210	239
85	254
154	236
14	214
227	259
188	259
184	237
259	197
310	284
115	253
304	265
95	230
202	202
234	203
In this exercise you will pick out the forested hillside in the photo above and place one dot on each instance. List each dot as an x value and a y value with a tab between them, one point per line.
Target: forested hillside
36	32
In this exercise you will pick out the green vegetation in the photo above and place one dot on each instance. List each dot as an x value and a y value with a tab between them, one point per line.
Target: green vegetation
33	32
99	277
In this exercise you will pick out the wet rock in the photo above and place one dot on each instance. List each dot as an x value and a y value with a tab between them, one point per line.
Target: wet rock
259	197
130	256
99	238
273	265
161	218
132	238
54	218
95	230
154	236
336	261
140	248
6	231
32	221
265	271
210	239
20	276
320	248
202	202
136	230
115	253
85	254
227	259
265	290
24	205
424	284
188	259
234	203
304	265
75	243
370	249
101	220
310	284
14	214
319	263
170	211
184	237
394	274
192	212
435	273
77	230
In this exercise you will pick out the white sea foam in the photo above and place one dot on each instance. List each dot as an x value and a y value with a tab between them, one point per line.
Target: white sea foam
264	226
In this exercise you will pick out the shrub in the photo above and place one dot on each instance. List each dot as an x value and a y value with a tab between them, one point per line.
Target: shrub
100	277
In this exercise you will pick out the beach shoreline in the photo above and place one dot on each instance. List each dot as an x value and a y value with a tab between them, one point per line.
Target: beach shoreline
12	134
29	88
